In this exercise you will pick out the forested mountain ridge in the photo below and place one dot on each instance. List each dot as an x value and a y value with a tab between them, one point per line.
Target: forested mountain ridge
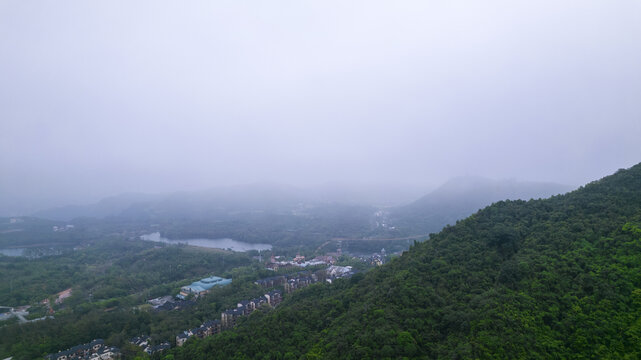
553	278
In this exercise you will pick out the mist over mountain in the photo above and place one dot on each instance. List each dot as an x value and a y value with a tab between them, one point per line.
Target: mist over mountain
462	196
279	209
222	201
187	204
451	201
540	279
148	145
110	206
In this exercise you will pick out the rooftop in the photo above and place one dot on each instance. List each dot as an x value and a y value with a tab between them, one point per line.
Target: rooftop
205	284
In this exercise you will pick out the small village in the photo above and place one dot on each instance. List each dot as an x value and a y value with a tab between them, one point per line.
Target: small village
229	317
189	294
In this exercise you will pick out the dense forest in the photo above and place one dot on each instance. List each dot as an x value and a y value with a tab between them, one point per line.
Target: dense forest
109	270
554	278
111	281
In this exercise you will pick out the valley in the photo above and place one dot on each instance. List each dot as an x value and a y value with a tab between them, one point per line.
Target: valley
112	268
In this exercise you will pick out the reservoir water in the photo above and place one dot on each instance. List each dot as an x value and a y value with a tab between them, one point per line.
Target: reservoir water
12	252
31	253
234	245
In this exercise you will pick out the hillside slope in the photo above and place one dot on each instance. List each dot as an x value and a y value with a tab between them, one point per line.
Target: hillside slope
554	278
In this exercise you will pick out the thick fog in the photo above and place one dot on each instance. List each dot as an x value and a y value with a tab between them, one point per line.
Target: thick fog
98	98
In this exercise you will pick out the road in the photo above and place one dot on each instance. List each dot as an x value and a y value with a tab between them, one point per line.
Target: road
425	236
20	316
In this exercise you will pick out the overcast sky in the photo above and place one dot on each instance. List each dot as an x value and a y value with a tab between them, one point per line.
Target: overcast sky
102	97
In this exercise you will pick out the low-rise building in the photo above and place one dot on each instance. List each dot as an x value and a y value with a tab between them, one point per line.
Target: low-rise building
160	347
145	343
208	328
95	350
271	281
202	286
228	317
274	298
212	327
182	338
338	271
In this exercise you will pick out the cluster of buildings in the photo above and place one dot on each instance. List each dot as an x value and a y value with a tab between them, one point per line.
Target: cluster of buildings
289	282
302	279
63	228
194	290
337	272
145	343
228	317
375	259
299	281
202	286
208	328
276	263
166	303
95	350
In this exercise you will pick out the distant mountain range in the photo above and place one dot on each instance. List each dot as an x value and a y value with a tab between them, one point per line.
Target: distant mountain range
110	206
186	204
452	201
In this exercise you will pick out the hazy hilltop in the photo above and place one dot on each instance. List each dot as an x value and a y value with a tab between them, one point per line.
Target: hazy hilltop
378	195
451	201
221	202
287	214
462	196
551	278
109	206
187	204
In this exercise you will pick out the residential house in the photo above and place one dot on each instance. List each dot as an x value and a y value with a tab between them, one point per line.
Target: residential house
228	317
95	350
182	338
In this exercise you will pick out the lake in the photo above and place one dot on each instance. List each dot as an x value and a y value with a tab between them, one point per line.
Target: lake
12	252
234	245
31	253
